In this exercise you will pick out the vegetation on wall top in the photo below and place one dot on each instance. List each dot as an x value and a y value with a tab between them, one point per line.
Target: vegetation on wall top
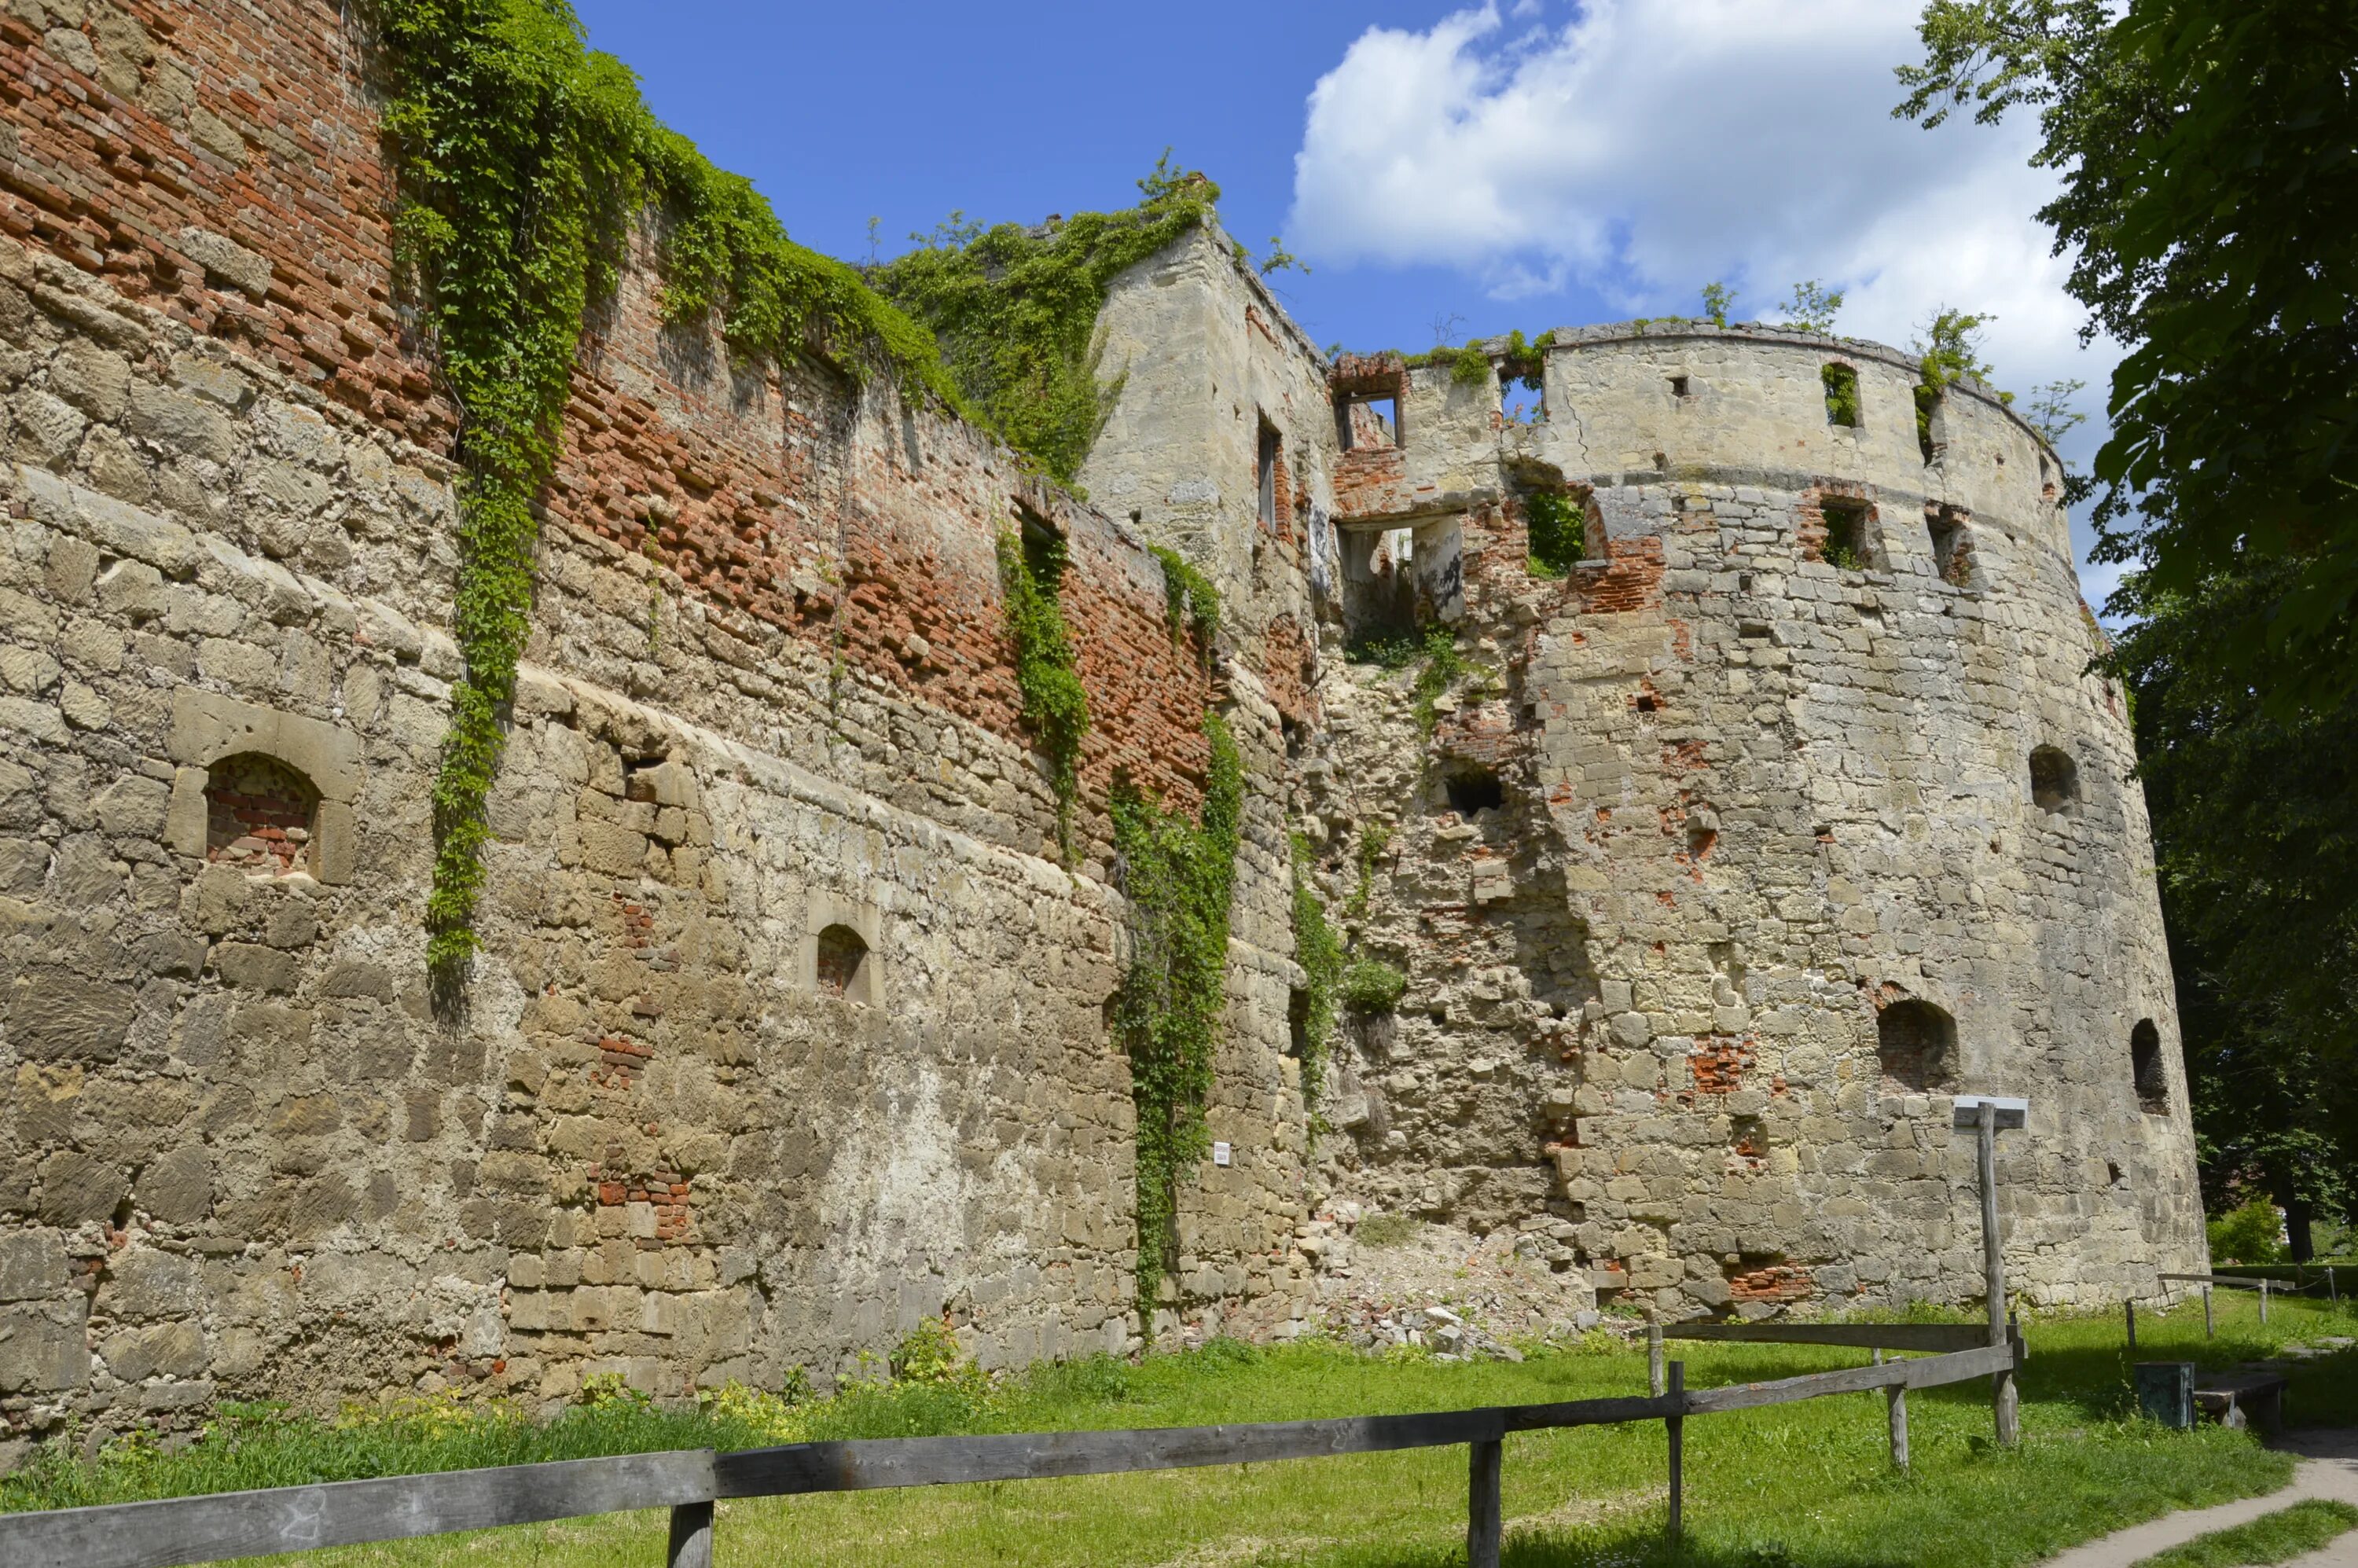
523	159
1015	309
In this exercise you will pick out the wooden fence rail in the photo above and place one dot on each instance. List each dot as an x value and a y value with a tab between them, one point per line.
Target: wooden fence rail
347	1513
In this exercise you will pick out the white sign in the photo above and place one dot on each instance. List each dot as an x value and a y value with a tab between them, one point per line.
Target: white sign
1220	1154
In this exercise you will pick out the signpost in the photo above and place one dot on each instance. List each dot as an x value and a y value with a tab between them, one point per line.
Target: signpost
1986	1114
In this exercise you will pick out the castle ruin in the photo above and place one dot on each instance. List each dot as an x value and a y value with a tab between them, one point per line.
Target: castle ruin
1787	811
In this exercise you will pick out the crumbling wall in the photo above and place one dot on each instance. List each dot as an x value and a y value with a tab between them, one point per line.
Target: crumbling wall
681	1128
1764	800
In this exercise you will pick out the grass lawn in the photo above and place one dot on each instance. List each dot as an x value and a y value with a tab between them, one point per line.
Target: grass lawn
2271	1537
1803	1485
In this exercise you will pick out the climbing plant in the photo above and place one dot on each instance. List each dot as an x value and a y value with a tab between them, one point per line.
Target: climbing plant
1370	984
1016	309
523	159
1056	704
1189	598
1319	951
1558	527
1178	877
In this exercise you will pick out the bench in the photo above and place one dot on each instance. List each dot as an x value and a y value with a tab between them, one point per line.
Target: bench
2239	1399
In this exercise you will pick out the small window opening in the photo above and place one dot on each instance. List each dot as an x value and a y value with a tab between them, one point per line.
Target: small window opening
1297	1021
842	964
1556	522
1265	475
1842	394
260	814
2112	1172
2146	1069
1680	386
1473	789
1917	1043
1931	423
1947	533
1366	424
1847	547
2054	779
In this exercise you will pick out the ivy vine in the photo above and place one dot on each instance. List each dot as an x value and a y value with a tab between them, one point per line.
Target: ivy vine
1178	877
1015	308
524	158
1189	598
1056	704
1319	950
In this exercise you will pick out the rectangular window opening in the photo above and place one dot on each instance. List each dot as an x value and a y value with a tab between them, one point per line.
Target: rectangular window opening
1946	532
1842	394
1848	547
1365	423
1265	477
1681	386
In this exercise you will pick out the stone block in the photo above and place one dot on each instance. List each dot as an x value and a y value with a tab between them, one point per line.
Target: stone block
43	1347
32	1265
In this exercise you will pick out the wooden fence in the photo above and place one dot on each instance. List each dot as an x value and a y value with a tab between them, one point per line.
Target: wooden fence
347	1513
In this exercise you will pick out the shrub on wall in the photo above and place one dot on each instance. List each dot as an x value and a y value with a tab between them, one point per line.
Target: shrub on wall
1056	704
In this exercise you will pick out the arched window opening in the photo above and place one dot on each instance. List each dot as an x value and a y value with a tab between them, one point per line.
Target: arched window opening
2054	779
260	815
1842	394
1918	1044
842	964
2144	1067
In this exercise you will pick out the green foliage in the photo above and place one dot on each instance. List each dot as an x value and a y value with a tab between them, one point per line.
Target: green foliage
2247	1234
1370	984
1440	666
1558	526
1526	361
929	1353
2150	112
1389	651
1811	308
1716	298
1845	548
1189	598
2276	1536
1178	878
1950	350
2258	868
1468	365
2050	412
1015	309
1056	704
1380	1230
524	157
1280	259
1319	951
1842	394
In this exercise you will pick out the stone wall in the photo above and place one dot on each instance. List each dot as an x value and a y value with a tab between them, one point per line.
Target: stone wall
1749	804
785	1034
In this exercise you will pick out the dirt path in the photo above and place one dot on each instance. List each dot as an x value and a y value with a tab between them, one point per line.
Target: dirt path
2328	1468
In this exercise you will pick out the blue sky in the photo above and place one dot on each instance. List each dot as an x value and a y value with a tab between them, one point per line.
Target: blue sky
1459	169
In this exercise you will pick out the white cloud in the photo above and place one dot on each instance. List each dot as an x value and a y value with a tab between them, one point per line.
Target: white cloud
1648	146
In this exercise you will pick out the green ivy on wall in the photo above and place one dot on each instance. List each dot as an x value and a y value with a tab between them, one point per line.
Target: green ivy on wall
1178	877
1189	598
1319	951
1056	704
1558	530
1015	308
525	158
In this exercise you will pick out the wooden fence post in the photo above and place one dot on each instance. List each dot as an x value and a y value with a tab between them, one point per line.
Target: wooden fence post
2210	1329
2331	1288
1654	1358
2003	1399
691	1536
1676	1423
1484	1461
2132	1308
1896	1399
2264	1301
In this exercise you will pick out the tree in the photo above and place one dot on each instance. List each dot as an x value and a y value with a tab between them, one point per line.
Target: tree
2209	152
1812	307
1716	298
2257	860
